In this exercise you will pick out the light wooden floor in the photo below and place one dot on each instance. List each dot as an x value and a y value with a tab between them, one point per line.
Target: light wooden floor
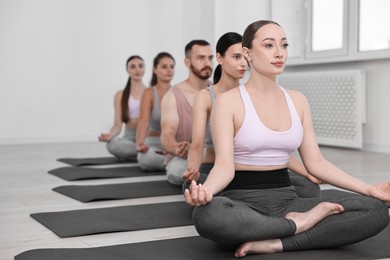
25	187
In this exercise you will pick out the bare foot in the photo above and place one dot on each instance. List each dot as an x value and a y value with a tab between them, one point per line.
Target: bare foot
307	220
259	247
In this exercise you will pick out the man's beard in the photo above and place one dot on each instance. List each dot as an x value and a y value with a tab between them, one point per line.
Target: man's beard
199	74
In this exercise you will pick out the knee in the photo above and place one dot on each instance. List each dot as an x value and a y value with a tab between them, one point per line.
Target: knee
377	212
142	161
111	146
174	179
212	216
175	170
381	210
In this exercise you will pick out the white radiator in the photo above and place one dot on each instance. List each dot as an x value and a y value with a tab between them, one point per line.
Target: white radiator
337	102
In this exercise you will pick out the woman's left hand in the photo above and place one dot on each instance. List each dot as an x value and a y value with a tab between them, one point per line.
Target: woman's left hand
380	191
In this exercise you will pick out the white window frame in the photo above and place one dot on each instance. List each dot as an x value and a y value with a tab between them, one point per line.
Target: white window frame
310	54
349	52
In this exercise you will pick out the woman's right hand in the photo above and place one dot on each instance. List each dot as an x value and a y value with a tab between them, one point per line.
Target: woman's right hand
182	149
197	195
191	174
104	137
142	148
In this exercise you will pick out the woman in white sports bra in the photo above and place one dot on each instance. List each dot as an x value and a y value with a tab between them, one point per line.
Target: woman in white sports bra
255	128
127	109
231	68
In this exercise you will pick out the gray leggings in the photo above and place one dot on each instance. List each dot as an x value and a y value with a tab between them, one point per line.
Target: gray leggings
239	216
175	169
152	161
123	147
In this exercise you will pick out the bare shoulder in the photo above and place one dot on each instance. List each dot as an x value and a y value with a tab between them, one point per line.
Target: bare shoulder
118	95
203	94
300	101
202	100
148	92
296	96
181	85
230	99
230	95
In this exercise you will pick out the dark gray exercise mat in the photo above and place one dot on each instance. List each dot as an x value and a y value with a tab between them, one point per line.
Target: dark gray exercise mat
195	248
82	173
115	219
95	161
88	193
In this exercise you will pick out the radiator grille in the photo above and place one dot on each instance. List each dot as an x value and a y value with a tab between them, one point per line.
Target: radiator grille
337	102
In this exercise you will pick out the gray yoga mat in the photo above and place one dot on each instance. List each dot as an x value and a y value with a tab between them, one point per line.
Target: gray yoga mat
88	193
94	160
115	219
82	173
195	248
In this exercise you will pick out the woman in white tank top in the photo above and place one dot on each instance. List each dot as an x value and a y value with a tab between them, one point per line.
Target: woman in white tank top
127	107
247	202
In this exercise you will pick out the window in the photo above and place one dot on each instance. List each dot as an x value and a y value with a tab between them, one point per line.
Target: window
324	31
327	30
321	23
374	25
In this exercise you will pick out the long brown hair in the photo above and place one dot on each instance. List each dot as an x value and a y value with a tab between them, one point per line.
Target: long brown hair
156	61
126	92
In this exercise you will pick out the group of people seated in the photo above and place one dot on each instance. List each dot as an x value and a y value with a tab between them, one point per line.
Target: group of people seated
229	146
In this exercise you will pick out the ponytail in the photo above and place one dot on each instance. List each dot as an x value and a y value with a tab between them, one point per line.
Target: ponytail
217	74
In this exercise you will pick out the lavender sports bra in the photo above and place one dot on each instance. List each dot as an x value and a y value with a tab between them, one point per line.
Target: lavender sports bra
255	144
134	107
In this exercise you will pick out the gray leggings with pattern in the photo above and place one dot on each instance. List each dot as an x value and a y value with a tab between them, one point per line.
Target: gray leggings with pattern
239	216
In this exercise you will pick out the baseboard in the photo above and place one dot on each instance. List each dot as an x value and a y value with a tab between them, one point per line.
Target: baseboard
48	139
376	148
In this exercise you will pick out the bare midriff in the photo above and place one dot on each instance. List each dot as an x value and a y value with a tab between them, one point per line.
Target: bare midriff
245	167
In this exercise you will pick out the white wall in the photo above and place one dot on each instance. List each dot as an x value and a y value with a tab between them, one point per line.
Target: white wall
236	15
62	60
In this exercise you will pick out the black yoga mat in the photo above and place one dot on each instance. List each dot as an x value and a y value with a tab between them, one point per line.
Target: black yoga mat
82	173
195	248
115	219
95	160
88	193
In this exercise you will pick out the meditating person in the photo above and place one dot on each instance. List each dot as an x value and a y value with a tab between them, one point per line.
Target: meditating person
176	108
255	127
127	109
151	156
231	68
